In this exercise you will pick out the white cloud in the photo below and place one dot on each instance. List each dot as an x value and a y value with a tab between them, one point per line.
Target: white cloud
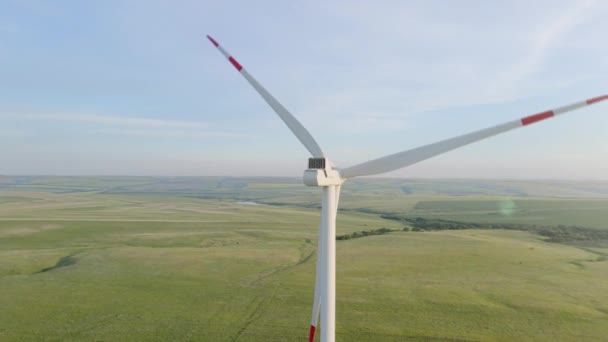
541	43
431	58
122	126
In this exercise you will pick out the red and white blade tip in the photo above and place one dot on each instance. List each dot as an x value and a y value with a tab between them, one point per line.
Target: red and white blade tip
597	99
311	335
232	60
551	113
213	41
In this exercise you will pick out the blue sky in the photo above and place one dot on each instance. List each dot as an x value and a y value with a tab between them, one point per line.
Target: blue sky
133	87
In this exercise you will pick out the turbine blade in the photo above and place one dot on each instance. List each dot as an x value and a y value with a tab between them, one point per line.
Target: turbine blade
294	125
316	306
406	158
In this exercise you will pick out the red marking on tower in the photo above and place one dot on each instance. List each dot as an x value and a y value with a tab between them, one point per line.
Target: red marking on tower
597	99
213	41
537	117
311	335
235	63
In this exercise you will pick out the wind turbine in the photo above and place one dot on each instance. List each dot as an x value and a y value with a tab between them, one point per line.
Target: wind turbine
322	173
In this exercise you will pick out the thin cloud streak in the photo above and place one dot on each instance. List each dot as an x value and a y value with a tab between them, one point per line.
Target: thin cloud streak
544	41
180	134
104	120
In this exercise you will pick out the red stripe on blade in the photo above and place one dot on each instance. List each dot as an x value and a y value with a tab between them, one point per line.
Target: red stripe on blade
536	117
213	41
597	99
235	63
311	335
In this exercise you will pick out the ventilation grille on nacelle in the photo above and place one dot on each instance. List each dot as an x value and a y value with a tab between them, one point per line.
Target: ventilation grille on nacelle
316	163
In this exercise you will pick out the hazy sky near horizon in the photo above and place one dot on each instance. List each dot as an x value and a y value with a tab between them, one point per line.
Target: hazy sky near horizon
122	87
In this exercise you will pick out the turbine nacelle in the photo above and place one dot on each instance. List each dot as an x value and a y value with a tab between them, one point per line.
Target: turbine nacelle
321	173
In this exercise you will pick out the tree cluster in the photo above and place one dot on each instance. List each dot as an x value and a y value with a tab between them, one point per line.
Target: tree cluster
364	233
559	233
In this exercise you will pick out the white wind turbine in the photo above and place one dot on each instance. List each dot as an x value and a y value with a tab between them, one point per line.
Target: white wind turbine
322	173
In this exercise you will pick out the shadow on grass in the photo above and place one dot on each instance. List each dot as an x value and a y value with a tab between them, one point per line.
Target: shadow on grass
63	262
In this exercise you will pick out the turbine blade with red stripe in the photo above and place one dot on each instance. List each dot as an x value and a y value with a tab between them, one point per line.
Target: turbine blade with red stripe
316	306
294	125
406	158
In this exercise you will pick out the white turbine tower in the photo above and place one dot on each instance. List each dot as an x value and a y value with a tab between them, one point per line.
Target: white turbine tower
322	173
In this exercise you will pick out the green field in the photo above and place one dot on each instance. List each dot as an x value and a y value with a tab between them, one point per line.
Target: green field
233	259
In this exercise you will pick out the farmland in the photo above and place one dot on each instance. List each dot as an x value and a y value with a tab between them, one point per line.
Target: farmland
232	259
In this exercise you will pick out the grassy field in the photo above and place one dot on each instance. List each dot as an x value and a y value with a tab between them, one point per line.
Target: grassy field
157	259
